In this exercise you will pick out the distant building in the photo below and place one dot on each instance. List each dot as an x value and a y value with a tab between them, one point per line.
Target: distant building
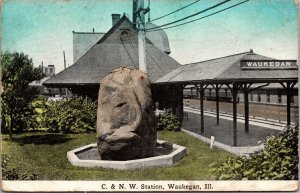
49	71
83	41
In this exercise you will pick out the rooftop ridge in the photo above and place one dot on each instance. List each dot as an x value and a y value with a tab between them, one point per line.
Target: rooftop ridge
113	28
88	32
218	58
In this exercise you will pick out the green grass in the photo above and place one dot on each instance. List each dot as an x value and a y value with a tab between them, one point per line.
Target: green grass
46	155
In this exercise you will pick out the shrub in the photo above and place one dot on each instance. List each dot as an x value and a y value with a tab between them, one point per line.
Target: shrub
39	117
10	173
77	115
278	160
7	173
168	122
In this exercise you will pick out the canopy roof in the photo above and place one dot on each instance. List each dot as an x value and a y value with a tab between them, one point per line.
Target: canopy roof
227	69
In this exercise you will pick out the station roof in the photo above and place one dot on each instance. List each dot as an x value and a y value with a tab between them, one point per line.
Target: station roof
228	69
103	58
112	51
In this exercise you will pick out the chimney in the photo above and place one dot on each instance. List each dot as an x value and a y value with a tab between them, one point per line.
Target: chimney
115	18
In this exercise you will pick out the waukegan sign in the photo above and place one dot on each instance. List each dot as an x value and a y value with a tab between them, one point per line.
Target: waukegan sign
268	64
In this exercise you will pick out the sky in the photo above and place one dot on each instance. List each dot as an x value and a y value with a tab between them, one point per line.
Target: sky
43	29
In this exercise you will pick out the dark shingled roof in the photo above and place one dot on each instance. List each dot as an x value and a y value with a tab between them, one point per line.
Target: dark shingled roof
109	53
225	69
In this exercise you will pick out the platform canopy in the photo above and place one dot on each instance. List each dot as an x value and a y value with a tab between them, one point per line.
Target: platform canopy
234	68
238	72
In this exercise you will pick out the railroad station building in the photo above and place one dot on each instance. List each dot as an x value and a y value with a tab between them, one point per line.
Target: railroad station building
227	84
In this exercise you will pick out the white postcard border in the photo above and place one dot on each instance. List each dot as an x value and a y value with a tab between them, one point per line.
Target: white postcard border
113	186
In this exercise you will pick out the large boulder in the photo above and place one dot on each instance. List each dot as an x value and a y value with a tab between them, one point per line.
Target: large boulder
126	123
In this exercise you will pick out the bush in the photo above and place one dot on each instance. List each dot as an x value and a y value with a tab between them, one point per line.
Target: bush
10	173
278	161
77	115
39	117
168	122
7	173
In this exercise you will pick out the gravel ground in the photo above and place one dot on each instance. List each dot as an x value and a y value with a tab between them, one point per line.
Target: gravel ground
224	132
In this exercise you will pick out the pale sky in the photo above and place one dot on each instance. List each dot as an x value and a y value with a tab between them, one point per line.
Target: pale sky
43	29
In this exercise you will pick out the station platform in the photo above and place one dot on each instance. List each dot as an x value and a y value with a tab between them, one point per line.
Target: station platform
259	129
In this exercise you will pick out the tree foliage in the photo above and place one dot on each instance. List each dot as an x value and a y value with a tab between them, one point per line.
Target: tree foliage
278	161
17	73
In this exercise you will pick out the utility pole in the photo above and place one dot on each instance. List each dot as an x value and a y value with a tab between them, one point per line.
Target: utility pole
65	60
65	65
134	13
42	65
139	13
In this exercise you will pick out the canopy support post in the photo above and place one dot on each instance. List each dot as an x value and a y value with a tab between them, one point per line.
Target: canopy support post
246	109
234	91
217	103
234	102
217	88
288	89
201	108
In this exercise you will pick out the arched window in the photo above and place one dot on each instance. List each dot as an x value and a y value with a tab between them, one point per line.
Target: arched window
124	37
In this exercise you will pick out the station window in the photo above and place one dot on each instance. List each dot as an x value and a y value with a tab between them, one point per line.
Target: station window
251	97
292	99
268	97
279	100
258	98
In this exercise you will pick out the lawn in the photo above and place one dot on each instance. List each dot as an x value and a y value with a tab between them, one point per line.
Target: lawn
45	154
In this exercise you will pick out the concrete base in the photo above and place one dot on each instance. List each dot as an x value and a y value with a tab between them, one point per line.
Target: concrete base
164	160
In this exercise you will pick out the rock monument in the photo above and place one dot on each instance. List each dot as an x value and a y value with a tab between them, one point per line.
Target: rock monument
126	123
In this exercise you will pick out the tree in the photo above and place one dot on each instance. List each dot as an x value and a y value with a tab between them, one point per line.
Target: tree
17	73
